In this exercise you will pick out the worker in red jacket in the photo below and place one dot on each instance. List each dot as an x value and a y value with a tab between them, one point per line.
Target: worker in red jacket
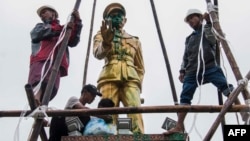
46	40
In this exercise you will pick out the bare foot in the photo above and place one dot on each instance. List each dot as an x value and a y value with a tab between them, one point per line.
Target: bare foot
174	130
37	102
46	123
38	97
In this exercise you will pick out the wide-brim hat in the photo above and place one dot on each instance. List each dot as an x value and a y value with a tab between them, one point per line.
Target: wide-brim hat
91	89
39	10
112	7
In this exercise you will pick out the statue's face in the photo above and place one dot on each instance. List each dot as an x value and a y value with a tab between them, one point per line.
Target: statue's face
118	20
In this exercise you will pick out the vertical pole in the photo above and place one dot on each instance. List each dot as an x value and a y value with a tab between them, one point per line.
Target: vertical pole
220	98
31	99
229	55
228	52
164	54
89	45
236	72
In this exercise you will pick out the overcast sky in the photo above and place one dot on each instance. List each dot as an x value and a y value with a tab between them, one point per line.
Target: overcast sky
19	17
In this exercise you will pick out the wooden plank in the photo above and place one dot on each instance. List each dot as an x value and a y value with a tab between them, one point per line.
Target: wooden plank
136	137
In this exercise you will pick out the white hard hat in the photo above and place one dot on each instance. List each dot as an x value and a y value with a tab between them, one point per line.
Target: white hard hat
39	10
192	11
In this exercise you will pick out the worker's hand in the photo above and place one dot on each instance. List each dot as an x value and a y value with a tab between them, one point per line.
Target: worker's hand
206	17
108	118
76	15
70	25
181	77
107	33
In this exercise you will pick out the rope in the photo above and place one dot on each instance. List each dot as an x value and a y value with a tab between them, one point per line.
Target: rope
16	134
212	8
50	58
39	112
243	81
201	53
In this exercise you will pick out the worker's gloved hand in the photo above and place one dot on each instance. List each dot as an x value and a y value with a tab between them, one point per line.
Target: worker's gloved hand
108	119
107	34
206	17
76	15
70	25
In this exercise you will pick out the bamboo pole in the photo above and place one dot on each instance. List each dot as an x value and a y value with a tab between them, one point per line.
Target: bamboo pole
128	110
55	68
225	108
31	99
164	54
220	98
230	57
227	50
89	45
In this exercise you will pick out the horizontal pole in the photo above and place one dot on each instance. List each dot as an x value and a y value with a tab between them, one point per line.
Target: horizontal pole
126	110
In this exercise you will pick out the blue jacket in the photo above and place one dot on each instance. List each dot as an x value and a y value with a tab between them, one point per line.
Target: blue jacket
190	58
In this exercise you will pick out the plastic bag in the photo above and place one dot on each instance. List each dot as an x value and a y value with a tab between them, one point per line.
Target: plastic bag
97	126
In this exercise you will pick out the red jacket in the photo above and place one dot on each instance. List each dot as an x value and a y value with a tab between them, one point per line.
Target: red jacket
44	38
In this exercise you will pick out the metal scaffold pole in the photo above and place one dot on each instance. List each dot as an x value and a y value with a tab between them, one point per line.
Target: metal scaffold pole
164	54
89	45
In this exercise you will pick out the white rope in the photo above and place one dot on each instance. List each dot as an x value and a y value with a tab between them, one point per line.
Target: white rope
39	112
243	81
213	8
210	8
51	57
16	134
200	58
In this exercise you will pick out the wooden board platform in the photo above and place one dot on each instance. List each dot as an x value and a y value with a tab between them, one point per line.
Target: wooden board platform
142	137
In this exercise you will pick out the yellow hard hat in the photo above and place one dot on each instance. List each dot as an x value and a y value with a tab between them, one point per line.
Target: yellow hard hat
113	6
39	10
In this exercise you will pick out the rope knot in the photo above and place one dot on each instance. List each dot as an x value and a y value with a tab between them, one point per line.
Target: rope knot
39	112
211	7
243	81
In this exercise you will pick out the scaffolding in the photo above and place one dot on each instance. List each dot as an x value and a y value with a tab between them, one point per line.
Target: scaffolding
222	109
